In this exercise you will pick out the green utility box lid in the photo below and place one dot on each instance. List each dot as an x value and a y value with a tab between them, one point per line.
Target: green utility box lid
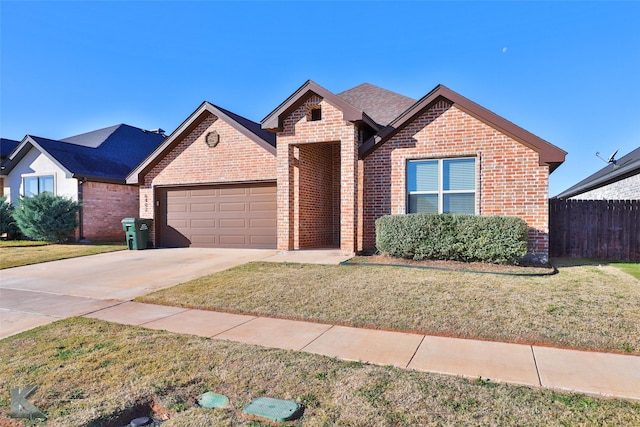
273	409
213	400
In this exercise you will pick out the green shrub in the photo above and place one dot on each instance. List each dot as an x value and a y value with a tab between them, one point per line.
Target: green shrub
47	217
7	222
494	239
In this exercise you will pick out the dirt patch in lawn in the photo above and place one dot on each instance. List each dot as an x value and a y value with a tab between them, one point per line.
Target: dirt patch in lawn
478	267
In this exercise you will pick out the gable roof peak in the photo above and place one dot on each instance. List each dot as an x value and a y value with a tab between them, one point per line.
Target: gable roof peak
273	121
248	128
548	153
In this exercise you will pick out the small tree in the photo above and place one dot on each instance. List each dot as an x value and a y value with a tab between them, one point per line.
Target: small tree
47	217
7	222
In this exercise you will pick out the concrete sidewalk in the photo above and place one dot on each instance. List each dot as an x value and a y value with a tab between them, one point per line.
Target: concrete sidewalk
604	374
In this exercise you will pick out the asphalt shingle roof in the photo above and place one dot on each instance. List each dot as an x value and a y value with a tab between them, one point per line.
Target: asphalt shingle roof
251	126
7	146
122	148
92	139
380	104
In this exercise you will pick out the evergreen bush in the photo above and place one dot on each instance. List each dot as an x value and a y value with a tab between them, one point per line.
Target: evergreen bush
47	217
468	238
7	222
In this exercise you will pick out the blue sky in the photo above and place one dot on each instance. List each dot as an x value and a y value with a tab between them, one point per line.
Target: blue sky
568	72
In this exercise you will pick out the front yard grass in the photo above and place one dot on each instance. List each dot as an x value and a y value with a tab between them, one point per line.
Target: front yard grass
584	306
17	253
89	372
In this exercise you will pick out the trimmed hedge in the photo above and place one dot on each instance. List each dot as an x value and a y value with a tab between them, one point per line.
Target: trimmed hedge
468	238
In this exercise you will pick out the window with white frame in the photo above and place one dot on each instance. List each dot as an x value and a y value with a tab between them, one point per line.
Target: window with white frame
441	186
34	185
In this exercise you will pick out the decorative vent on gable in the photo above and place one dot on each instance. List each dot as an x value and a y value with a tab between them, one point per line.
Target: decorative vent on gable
212	139
314	113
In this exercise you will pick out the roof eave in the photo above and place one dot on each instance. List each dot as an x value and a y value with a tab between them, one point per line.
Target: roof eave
587	184
243	130
549	154
21	151
106	180
273	121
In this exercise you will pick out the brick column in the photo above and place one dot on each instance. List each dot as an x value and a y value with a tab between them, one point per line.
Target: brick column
348	189
285	197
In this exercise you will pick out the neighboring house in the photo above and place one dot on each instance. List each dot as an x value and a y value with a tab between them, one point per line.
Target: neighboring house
90	168
322	167
619	180
6	147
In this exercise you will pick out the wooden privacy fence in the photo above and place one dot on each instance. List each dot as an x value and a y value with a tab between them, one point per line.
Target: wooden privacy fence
602	229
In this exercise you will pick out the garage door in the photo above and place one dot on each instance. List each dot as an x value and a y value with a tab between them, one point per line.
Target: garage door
224	216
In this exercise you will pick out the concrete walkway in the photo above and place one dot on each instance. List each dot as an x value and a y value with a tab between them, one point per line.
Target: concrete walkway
603	374
102	287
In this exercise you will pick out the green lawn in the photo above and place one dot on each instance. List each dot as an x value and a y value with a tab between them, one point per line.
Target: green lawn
16	253
584	306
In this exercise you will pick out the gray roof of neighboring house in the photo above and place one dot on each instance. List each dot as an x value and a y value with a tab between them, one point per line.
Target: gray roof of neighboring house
380	104
92	139
6	147
628	165
107	154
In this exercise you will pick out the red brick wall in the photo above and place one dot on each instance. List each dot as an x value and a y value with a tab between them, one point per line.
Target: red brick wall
318	207
104	206
294	158
509	178
236	158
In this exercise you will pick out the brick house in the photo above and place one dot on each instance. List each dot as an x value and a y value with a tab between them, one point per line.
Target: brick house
322	167
90	168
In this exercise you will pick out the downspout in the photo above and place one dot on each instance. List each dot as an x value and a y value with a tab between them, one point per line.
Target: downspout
80	212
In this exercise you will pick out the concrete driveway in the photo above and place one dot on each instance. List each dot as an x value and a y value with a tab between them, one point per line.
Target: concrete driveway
38	294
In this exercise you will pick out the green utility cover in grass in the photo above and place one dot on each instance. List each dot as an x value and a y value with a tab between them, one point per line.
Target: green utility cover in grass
273	409
213	400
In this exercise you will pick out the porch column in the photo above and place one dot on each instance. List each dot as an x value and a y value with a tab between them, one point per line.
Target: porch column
348	190
285	197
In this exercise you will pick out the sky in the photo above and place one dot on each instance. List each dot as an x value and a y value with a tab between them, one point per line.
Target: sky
568	72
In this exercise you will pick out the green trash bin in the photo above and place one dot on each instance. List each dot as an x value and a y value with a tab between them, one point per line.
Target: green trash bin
137	232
